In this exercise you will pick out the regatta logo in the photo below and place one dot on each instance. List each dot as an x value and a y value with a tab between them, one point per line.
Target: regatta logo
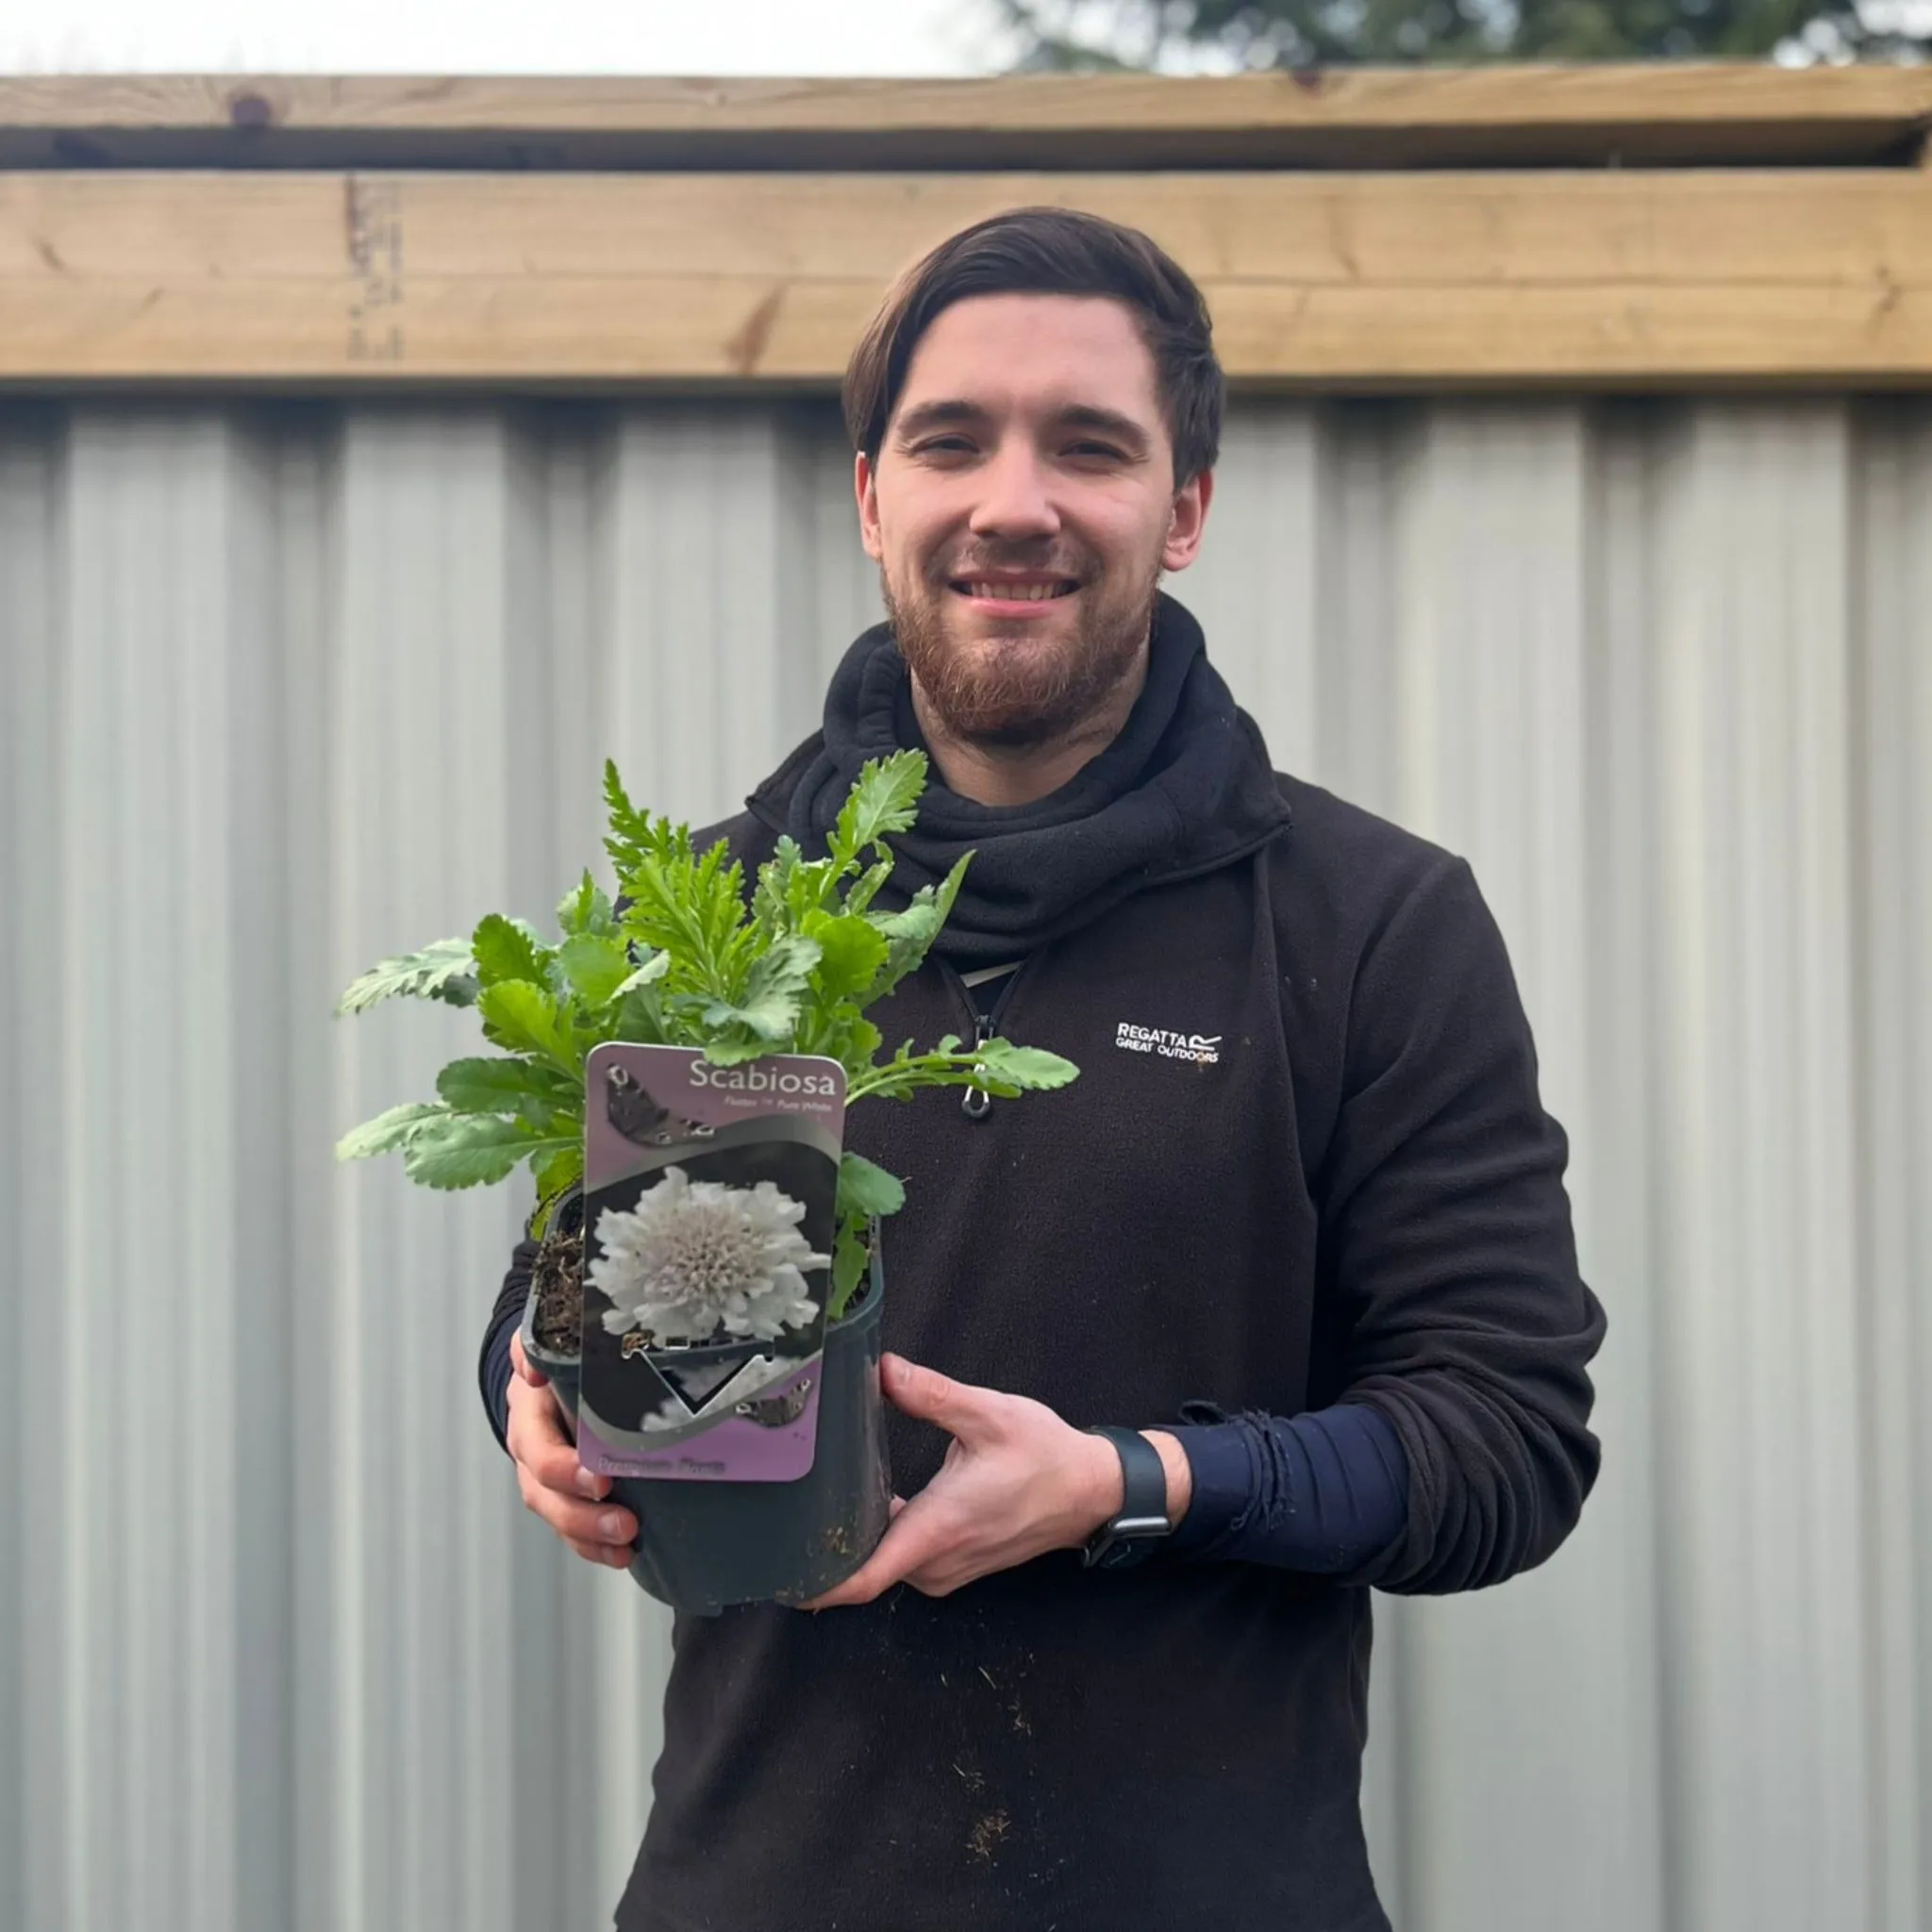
1203	1048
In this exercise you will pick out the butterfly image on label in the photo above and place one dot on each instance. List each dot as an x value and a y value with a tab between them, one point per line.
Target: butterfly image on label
775	1411
630	1107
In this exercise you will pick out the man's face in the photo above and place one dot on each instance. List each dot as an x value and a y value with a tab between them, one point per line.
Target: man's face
1021	509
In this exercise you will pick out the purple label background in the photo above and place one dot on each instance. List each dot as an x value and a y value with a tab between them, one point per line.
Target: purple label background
742	1450
733	1450
665	1071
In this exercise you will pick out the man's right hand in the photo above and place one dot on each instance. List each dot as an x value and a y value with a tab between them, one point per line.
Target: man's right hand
554	1483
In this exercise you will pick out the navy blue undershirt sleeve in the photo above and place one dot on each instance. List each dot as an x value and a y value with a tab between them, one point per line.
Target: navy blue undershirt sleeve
493	1364
495	1374
1320	1493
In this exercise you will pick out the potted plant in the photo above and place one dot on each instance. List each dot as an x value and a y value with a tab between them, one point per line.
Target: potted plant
782	975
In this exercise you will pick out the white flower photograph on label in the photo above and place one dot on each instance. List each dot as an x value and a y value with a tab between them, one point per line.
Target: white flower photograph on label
698	1259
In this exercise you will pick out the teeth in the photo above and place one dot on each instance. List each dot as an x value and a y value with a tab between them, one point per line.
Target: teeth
1026	593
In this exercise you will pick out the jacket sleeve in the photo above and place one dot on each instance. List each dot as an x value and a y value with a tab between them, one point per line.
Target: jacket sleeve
493	1369
1449	1251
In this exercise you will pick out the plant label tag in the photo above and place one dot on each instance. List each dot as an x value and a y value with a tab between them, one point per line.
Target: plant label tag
709	1215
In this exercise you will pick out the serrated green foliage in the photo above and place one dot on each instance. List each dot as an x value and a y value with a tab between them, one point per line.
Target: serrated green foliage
469	1150
388	1131
585	909
685	956
506	949
765	1008
442	970
596	966
866	1189
851	1252
1023	1069
885	798
509	1085
851	951
526	1019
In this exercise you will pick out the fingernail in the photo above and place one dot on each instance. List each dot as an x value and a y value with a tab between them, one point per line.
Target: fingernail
590	1485
610	1527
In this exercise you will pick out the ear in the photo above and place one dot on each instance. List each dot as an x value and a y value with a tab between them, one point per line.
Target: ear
865	486
1188	519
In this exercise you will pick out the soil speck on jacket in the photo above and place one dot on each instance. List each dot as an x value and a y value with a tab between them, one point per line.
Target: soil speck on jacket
988	1835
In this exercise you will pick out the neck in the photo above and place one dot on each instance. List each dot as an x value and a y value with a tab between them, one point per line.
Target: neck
1001	774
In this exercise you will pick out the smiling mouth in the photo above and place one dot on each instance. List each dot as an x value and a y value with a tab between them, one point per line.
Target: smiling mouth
1030	591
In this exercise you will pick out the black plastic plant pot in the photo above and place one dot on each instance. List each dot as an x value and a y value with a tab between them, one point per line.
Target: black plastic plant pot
703	1547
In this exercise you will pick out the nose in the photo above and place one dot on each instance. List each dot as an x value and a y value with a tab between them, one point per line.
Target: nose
1015	501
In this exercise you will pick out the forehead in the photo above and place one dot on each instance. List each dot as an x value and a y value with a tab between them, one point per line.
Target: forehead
1009	353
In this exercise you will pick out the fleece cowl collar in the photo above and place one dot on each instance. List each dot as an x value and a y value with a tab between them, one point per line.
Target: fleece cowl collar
1186	789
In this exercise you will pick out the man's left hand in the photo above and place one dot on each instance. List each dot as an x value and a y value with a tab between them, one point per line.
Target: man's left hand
1017	1482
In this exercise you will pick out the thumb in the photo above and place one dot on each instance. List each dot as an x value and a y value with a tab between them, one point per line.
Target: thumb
958	1407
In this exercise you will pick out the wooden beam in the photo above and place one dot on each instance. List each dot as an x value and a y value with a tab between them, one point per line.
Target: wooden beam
1352	281
1653	115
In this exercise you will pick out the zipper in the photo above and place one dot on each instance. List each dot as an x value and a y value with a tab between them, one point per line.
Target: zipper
977	1103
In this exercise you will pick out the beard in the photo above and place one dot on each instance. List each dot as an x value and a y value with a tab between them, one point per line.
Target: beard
1017	688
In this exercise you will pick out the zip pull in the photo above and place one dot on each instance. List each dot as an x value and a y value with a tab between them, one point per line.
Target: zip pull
978	1103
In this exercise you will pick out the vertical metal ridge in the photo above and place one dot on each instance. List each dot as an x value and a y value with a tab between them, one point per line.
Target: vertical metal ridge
1892	880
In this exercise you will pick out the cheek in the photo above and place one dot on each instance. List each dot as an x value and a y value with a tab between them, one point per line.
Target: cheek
908	541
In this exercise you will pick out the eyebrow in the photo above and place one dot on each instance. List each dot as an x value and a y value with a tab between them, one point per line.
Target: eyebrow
954	410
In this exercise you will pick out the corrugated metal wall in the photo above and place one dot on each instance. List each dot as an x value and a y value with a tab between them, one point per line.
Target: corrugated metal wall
286	690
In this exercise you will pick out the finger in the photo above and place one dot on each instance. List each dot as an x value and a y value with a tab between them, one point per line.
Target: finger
536	1440
898	1504
606	1524
917	1538
601	1554
958	1407
520	1362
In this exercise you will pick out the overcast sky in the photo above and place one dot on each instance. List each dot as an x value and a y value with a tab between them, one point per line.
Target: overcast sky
499	36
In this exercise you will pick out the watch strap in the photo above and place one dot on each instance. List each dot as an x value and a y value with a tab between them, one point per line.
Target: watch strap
1141	1519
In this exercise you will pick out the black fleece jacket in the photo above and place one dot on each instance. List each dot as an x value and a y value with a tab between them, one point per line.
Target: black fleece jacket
1348	1187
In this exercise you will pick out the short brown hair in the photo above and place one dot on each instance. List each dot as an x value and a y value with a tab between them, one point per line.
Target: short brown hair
1050	251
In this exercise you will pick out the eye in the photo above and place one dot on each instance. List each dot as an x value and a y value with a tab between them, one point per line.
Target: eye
1101	452
942	446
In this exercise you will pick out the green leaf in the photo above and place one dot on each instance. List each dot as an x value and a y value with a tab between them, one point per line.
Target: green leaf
1025	1069
851	950
851	1254
559	1171
884	798
949	886
649	974
524	1019
867	886
867	1190
639	1016
770	903
734	1053
473	1150
596	967
388	1130
440	971
585	909
505	950
910	934
492	1086
769	1005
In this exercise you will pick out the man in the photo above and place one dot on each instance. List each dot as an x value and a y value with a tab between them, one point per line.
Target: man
1297	1235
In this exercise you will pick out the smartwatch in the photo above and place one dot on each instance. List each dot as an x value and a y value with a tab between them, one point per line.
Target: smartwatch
1141	1520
